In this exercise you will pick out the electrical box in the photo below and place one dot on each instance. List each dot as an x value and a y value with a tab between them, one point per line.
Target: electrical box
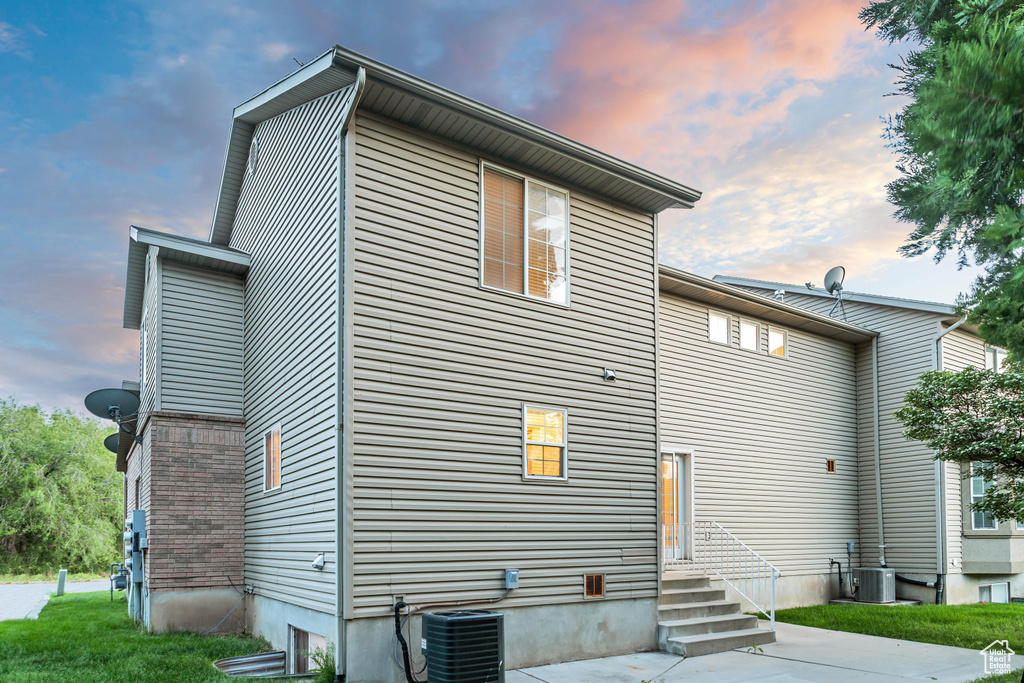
465	645
875	584
134	542
511	578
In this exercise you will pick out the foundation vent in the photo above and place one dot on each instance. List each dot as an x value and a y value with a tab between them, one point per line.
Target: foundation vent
830	466
593	586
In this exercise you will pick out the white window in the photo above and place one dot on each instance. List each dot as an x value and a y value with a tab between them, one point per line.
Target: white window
778	342
524	251
750	336
994	358
272	459
544	443
998	593
718	327
979	485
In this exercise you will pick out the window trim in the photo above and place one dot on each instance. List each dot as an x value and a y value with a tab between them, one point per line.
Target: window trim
266	459
564	444
990	586
970	505
484	164
757	335
728	327
785	341
997	356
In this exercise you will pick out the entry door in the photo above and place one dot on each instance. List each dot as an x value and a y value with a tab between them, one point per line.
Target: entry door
674	507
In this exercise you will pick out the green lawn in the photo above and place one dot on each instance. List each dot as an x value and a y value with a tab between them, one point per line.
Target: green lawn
83	638
49	577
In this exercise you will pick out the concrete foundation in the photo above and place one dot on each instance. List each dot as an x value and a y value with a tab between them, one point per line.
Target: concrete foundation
794	591
194	610
274	620
533	636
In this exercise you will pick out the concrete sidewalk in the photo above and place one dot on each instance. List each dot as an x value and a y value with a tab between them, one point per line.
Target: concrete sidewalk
801	654
25	600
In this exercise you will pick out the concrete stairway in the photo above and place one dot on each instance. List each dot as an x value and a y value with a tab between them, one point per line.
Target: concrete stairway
695	619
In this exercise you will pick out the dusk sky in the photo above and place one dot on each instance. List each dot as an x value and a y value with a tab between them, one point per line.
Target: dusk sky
117	113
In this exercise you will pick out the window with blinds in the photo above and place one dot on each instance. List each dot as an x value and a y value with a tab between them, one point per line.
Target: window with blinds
544	443
272	459
525	236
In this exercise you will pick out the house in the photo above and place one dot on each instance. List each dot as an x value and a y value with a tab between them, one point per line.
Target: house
419	349
914	511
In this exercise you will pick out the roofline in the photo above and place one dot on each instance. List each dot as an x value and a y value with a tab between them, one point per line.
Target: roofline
878	299
747	297
188	244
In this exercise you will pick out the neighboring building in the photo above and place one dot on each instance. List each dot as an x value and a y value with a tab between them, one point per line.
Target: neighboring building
926	525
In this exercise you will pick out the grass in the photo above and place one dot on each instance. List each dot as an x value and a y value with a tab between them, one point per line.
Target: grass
970	626
84	638
50	577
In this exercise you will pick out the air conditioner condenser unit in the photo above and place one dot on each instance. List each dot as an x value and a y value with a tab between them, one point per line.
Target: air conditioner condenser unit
875	584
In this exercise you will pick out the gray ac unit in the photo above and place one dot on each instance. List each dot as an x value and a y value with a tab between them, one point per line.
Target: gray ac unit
465	646
875	584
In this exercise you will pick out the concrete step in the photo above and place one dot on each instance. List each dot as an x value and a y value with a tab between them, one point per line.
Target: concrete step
710	643
685	583
675	628
695	610
676	597
669	575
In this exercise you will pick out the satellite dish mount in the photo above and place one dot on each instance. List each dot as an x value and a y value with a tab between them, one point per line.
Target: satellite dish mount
834	286
118	405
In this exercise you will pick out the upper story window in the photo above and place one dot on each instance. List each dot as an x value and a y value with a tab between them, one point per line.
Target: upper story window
750	336
525	236
544	443
979	485
718	327
778	342
994	358
272	459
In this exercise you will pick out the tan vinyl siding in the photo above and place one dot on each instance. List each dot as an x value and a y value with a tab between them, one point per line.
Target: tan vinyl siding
442	368
905	351
959	350
201	331
761	429
287	220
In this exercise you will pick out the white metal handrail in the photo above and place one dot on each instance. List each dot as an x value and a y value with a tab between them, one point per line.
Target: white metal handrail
709	548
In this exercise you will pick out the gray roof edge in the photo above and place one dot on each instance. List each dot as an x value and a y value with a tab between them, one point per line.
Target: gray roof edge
744	295
191	245
878	299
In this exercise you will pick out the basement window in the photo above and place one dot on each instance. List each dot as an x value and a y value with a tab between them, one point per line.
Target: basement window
997	593
593	585
272	459
544	443
305	647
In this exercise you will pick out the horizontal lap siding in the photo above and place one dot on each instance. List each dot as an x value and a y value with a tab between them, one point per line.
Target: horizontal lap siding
202	333
761	429
287	220
442	368
959	350
905	351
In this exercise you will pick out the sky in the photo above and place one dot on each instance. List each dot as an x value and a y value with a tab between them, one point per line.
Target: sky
116	113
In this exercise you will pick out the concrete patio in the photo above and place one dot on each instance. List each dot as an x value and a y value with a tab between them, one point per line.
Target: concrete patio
801	654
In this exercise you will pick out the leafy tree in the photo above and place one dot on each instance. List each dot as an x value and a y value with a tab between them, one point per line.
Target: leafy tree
960	143
975	416
60	497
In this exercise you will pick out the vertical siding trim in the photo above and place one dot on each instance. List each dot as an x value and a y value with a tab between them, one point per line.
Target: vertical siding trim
347	493
876	418
656	283
159	359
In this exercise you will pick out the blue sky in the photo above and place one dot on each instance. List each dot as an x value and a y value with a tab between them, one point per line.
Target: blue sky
116	113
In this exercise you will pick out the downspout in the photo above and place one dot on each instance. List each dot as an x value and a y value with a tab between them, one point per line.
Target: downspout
941	558
342	379
878	451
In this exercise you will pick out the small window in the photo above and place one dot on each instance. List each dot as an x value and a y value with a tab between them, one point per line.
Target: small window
525	251
272	459
995	359
997	593
778	342
830	466
979	485
545	443
593	586
750	336
718	327
305	647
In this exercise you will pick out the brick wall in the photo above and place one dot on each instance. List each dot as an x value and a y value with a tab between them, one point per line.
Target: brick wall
194	498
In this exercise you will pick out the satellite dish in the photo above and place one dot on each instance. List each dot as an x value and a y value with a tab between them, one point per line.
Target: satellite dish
112	404
111	442
834	279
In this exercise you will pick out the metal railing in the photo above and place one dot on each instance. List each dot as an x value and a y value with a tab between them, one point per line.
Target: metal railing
708	548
